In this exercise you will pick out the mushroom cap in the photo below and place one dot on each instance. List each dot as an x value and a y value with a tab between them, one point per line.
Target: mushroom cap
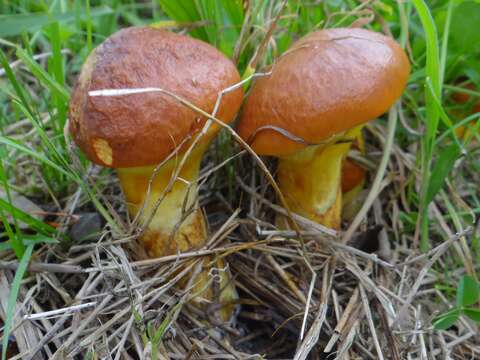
327	83
143	129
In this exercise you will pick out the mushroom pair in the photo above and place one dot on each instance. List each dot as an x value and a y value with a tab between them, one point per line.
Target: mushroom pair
307	112
138	132
312	106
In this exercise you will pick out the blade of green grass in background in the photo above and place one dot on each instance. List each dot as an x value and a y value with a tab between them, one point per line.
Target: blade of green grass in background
27	240
184	12
17	145
56	71
446	320
89	26
56	169
432	115
20	91
222	20
15	238
443	165
468	291
446	34
12	298
15	24
71	175
108	22
20	215
52	146
44	77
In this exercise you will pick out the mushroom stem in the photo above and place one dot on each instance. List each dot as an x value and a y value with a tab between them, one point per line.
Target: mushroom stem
178	224
310	180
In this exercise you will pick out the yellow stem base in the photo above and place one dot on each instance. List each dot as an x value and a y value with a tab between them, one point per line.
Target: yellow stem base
172	221
310	182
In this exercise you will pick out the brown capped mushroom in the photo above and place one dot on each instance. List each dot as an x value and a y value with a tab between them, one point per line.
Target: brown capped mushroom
311	107
136	132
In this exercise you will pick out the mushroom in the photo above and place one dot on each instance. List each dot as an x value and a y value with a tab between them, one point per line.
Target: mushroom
310	108
135	133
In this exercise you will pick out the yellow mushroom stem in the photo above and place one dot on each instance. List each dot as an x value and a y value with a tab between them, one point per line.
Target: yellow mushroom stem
178	224
310	181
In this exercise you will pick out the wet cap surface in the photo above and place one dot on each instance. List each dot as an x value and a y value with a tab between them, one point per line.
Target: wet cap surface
143	129
328	82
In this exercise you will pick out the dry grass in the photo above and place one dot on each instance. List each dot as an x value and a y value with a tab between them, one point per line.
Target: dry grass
372	298
365	293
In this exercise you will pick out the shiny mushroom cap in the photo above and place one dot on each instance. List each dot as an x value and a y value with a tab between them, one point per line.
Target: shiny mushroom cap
143	129
327	83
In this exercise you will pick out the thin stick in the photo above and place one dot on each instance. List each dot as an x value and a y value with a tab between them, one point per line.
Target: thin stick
286	278
41	267
448	242
418	282
70	309
314	332
368	315
349	310
336	245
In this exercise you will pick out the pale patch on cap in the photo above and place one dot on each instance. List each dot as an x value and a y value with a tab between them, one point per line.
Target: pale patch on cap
103	151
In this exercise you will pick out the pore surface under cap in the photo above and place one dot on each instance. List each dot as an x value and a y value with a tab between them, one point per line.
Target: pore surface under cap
326	83
142	129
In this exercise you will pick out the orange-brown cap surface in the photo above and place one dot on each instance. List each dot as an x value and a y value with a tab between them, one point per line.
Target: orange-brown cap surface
142	129
326	83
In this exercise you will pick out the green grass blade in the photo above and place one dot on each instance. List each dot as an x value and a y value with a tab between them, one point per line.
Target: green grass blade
184	11
20	91
234	10
446	33
15	244
15	24
70	175
444	321
468	292
50	148
464	122
15	238
12	298
35	239
17	145
433	74
89	26
473	313
44	78
55	67
26	218
441	169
